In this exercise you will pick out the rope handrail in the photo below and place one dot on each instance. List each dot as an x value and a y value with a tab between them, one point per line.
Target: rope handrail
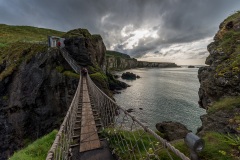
70	61
60	147
123	131
151	132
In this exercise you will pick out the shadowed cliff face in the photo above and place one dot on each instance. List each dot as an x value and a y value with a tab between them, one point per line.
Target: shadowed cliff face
86	49
220	81
34	100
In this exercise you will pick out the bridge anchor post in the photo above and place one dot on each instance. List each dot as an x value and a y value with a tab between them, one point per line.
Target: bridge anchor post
195	144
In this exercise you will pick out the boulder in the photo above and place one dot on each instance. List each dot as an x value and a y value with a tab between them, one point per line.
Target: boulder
172	130
129	76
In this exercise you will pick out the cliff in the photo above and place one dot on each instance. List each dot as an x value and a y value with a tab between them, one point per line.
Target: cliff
219	91
37	84
34	98
119	61
86	49
89	51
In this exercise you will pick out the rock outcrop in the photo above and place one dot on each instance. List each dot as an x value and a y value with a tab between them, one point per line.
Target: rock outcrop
220	81
34	100
222	77
172	130
86	49
129	76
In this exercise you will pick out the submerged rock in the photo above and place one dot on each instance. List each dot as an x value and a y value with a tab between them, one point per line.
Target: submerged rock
130	110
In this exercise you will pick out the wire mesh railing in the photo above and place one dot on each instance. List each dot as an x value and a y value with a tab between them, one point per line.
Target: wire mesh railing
71	61
60	148
127	136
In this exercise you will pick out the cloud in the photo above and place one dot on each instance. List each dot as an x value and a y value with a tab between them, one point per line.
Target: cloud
135	27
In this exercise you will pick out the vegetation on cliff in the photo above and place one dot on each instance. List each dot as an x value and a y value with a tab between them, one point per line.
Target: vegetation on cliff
20	43
227	46
105	82
10	34
81	32
37	150
117	54
221	77
14	54
220	92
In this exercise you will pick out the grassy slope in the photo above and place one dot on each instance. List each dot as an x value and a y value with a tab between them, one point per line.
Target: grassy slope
11	34
117	54
37	150
19	43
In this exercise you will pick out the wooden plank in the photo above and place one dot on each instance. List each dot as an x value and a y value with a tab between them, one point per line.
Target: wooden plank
86	98
89	139
95	144
85	146
84	81
85	87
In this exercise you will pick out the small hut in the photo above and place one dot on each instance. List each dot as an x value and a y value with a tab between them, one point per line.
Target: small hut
53	41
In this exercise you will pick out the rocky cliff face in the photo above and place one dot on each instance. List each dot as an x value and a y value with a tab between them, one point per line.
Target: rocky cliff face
156	64
120	63
220	80
34	100
222	76
86	49
116	62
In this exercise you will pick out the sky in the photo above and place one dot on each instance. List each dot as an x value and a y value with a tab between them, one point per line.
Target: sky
150	30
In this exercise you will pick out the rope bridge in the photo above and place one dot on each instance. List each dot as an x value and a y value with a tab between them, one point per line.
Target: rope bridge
127	137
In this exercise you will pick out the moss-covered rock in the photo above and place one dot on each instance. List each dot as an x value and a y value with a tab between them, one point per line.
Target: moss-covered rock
14	54
222	77
80	32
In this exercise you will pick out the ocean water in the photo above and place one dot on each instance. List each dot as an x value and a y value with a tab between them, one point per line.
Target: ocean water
165	94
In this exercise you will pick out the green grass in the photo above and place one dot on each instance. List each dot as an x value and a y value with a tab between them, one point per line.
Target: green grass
228	43
10	34
117	54
127	137
217	146
96	37
71	74
226	103
20	43
37	150
59	69
14	54
80	32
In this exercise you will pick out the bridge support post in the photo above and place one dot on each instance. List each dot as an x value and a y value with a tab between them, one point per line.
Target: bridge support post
195	144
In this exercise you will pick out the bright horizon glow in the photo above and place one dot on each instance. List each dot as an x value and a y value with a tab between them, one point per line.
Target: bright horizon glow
178	62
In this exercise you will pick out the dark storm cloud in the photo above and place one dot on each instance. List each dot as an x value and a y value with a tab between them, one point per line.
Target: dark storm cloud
174	21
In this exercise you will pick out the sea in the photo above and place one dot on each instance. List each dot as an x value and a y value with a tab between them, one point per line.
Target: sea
163	94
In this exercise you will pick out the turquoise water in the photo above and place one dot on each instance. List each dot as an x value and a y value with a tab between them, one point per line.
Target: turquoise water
168	94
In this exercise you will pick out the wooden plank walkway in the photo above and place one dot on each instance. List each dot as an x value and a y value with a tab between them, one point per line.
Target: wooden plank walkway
89	139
